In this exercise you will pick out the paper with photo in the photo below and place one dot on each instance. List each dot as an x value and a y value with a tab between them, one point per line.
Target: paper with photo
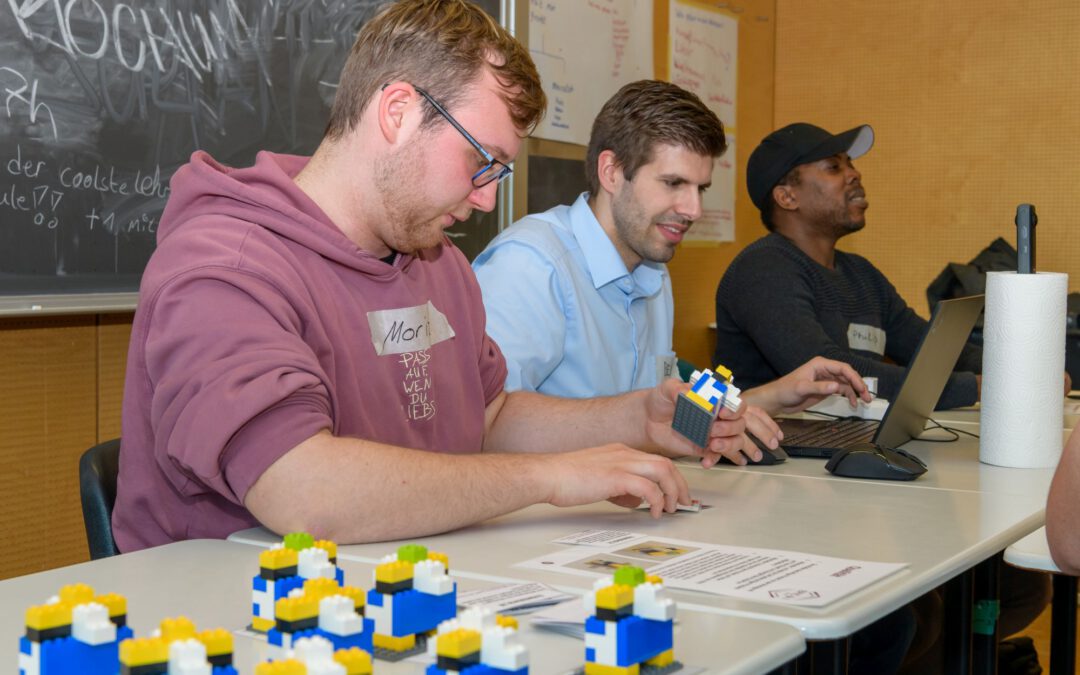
599	538
513	598
766	575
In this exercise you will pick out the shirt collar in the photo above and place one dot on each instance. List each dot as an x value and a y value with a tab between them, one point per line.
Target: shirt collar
603	261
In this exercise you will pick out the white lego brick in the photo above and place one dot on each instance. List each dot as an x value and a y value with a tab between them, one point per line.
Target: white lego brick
652	602
429	576
264	602
314	563
478	618
604	645
382	616
317	654
337	615
501	647
589	602
90	624
30	664
188	657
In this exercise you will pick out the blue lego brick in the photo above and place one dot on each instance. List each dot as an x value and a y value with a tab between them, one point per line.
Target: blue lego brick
639	639
594	625
285	585
339	574
362	640
476	669
590	655
416	612
258	583
68	655
223	670
374	598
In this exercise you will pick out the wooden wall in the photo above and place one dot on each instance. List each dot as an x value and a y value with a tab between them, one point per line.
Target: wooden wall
973	105
63	379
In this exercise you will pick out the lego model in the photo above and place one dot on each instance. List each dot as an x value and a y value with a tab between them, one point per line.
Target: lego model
176	648
284	568
413	593
632	627
322	608
697	408
74	631
478	642
316	656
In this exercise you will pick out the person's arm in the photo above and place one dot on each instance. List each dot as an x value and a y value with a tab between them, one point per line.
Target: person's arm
354	491
524	306
1063	509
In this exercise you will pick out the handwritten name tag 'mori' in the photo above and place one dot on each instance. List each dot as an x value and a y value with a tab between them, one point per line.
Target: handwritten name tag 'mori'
408	329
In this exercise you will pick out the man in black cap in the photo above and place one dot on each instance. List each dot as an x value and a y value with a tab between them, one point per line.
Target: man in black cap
791	295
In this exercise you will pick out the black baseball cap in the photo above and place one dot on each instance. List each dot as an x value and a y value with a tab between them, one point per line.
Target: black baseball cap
799	143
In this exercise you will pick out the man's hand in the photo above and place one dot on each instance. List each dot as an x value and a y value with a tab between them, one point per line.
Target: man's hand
617	473
727	437
808	384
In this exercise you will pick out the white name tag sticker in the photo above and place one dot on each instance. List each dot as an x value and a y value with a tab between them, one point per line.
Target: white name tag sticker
666	366
866	338
408	329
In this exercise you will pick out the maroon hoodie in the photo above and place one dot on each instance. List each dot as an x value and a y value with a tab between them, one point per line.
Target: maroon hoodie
259	324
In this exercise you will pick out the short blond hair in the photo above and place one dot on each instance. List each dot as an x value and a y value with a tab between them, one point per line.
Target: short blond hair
440	46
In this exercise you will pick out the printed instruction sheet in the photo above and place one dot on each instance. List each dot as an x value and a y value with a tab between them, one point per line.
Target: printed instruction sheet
766	575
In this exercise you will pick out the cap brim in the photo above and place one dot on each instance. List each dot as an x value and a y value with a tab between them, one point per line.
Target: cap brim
855	142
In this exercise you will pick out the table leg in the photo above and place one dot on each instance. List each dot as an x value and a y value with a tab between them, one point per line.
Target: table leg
828	657
984	643
957	627
1063	626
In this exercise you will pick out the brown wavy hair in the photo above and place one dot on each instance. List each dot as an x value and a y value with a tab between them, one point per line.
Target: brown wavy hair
643	114
440	46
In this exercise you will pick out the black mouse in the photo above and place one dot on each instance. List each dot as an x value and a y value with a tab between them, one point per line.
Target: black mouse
768	455
866	460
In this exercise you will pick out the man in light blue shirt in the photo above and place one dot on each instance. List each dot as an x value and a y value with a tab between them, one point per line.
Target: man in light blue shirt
579	298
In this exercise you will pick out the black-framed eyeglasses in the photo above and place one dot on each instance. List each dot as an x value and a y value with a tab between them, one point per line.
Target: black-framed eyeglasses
494	170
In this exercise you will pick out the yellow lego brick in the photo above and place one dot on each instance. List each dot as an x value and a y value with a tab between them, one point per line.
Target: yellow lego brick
46	617
441	557
653	579
261	625
328	546
143	652
76	594
276	558
355	594
394	572
722	373
614	597
355	660
458	643
320	588
217	641
285	667
662	660
295	609
696	398
114	602
396	644
601	669
177	628
506	621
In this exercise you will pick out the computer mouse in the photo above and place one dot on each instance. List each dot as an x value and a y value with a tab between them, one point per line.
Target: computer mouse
768	455
866	460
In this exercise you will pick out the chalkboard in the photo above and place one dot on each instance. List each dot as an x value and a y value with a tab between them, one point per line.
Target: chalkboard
104	100
554	181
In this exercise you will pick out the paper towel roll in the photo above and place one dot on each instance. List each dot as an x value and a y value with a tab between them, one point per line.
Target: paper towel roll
1023	369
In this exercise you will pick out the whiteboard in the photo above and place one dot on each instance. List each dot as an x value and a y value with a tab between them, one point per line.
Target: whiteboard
585	51
703	57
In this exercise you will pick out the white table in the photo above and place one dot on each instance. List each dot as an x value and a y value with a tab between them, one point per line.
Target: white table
209	581
1033	553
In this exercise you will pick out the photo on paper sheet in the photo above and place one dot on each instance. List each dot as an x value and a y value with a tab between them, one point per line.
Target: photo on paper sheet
607	563
653	551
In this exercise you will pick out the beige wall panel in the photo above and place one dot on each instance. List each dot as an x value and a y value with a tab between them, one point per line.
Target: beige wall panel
695	271
50	417
974	107
114	332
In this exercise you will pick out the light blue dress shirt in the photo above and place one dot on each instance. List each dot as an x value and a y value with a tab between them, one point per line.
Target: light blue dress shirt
567	315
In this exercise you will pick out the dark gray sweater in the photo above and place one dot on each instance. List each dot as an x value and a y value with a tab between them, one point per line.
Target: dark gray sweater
776	308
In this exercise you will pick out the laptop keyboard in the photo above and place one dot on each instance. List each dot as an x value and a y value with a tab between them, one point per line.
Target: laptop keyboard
840	433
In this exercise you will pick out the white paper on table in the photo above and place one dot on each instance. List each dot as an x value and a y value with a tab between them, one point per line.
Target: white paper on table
764	575
513	598
567	618
599	538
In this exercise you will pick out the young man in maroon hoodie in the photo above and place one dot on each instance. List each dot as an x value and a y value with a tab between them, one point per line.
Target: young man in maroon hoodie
309	349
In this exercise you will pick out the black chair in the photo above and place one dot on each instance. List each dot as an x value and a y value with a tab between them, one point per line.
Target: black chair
98	468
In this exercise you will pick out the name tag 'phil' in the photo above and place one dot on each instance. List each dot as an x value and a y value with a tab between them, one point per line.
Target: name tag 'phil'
866	338
408	329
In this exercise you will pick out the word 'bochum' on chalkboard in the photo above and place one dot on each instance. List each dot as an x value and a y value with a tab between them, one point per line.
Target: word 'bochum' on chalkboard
104	100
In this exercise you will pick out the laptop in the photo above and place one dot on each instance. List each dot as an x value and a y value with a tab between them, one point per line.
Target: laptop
906	416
